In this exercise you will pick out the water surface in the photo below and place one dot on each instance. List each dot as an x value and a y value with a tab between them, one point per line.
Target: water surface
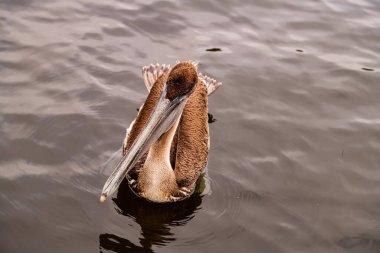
294	161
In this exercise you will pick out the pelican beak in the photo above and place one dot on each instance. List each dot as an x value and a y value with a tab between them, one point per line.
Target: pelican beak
162	118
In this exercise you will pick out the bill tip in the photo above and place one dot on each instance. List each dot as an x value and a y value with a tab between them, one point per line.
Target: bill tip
103	198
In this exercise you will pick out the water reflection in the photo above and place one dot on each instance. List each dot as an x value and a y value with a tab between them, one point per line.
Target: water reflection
361	241
115	243
156	220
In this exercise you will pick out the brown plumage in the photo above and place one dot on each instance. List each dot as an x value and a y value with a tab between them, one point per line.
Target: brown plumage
181	79
192	143
146	110
185	144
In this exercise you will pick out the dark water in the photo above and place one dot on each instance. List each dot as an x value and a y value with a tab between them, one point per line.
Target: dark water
295	157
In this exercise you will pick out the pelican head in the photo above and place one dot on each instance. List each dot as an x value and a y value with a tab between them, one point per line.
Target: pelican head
176	90
181	81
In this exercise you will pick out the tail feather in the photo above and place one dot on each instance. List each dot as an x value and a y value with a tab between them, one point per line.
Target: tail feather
211	84
152	72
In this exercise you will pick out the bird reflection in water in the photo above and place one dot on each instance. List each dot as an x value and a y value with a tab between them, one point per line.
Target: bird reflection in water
155	219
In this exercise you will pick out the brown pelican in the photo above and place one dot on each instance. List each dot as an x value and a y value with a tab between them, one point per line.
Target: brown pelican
166	147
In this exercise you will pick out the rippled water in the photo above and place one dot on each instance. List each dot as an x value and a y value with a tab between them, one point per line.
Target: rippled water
295	158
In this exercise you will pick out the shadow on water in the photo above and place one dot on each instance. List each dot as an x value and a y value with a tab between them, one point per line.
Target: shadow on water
156	220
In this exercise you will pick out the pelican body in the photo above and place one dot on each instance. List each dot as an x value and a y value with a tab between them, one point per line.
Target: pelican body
165	149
